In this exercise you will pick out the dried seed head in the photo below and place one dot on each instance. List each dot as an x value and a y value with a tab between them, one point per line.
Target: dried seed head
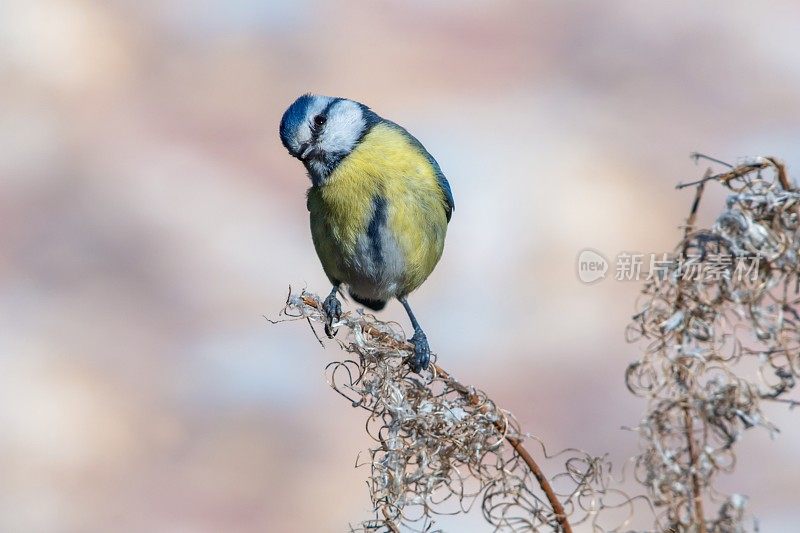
440	446
696	332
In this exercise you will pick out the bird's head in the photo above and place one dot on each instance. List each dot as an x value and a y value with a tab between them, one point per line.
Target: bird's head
321	130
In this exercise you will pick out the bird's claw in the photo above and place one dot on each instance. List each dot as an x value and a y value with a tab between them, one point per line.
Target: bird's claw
332	308
422	352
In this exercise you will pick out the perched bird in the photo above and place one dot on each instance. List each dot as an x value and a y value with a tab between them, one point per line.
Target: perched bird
379	204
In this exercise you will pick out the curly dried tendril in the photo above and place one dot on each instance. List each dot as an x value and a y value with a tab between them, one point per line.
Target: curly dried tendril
698	332
440	446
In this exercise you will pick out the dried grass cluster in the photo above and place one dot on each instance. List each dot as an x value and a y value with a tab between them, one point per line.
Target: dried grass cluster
440	446
700	334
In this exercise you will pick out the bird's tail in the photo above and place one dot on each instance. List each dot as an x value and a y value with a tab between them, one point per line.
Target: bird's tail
375	305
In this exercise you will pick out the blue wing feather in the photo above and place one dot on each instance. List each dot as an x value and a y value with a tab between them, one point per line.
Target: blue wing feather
445	185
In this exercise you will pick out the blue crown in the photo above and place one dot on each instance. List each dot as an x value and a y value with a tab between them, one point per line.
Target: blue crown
293	117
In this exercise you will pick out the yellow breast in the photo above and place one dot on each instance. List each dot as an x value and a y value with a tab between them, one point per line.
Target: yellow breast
387	164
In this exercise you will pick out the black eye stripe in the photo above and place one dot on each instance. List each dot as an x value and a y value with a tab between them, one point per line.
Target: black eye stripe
316	127
326	110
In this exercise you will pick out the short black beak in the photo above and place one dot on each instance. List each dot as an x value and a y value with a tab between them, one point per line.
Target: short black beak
305	150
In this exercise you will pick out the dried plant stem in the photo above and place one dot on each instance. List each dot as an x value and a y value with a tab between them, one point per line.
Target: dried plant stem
696	508
696	204
783	179
516	443
543	482
697	494
389	523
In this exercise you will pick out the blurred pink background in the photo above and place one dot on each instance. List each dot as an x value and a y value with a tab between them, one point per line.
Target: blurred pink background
149	217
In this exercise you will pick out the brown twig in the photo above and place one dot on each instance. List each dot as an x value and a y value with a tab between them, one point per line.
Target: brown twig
388	521
698	195
515	442
743	170
697	495
781	169
558	509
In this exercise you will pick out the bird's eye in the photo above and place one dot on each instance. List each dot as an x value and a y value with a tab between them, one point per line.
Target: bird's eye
319	120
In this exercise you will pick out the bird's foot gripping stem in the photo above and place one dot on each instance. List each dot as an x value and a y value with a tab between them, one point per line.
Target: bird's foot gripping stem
422	352
333	312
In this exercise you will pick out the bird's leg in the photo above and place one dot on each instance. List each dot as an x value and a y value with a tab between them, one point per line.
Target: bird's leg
422	352
333	310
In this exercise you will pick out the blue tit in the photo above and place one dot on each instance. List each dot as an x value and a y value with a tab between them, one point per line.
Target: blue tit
379	204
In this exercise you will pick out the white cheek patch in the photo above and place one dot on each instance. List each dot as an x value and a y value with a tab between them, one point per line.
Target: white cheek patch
343	128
